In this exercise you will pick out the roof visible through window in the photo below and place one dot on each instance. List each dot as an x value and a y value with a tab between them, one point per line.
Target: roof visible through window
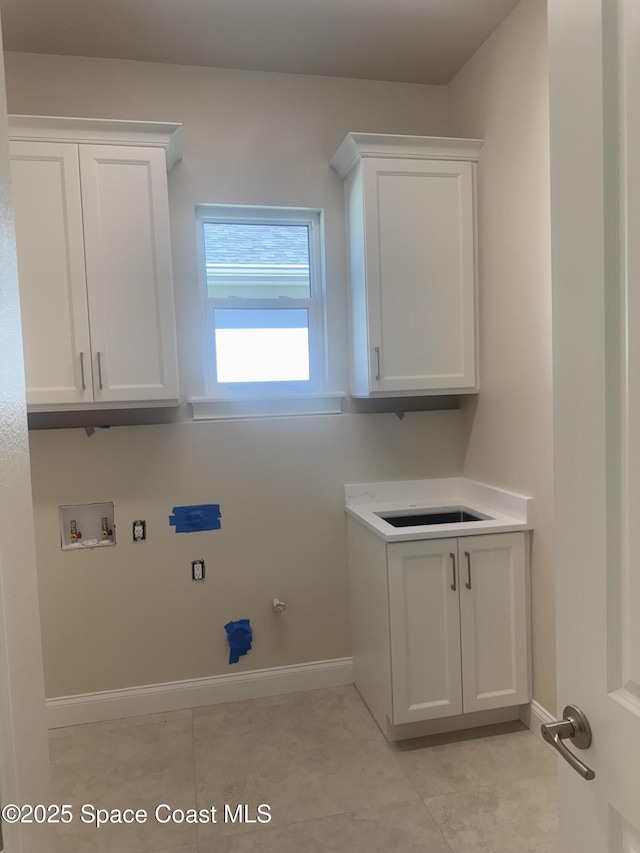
271	259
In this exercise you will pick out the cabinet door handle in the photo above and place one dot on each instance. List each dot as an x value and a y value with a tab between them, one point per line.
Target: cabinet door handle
454	586
84	384
99	370
468	556
377	352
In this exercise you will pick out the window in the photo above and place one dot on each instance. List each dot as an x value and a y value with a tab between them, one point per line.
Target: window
262	279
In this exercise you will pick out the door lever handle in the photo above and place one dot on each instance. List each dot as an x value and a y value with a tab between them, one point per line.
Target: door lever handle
575	727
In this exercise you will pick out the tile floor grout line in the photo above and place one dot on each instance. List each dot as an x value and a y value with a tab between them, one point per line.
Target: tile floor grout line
268	827
481	786
195	776
372	756
403	771
420	799
476	788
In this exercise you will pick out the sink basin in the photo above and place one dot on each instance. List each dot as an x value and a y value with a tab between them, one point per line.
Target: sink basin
440	515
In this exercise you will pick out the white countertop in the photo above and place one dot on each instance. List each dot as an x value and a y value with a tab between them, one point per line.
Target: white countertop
504	511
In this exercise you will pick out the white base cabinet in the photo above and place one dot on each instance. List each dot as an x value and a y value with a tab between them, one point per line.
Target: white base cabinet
440	627
94	263
411	225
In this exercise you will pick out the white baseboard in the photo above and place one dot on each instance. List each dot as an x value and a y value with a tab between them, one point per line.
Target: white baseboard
178	695
534	716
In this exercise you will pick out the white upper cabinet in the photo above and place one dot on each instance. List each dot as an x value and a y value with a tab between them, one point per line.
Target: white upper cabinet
94	262
411	218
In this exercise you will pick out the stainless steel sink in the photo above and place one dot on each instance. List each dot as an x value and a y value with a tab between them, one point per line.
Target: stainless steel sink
438	515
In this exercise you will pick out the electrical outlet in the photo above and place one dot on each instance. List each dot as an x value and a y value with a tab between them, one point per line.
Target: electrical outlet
139	531
197	570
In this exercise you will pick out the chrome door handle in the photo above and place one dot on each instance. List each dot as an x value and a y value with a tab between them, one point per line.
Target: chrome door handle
453	568
377	352
100	370
468	556
84	384
575	727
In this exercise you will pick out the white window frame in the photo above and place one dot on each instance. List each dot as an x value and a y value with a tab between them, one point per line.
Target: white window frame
315	304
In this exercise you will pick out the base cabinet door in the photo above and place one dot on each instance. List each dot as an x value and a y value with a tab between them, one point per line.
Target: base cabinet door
494	623
425	630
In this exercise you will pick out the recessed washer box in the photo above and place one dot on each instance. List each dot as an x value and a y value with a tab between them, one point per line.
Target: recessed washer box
87	526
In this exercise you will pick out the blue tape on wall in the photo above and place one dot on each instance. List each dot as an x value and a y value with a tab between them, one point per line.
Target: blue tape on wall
239	637
190	519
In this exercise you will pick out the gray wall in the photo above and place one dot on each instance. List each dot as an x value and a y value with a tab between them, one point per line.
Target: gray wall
249	138
502	96
130	615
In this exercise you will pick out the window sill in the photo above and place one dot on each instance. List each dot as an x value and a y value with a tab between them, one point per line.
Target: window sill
209	409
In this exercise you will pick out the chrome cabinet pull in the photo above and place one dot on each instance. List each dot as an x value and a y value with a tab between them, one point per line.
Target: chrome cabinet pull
454	586
468	556
377	351
84	384
99	370
575	727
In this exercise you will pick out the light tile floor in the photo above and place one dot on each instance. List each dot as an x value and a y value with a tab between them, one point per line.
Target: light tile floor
319	761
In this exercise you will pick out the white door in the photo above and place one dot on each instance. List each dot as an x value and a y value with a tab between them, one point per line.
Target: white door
53	295
594	52
424	622
420	273
129	276
494	621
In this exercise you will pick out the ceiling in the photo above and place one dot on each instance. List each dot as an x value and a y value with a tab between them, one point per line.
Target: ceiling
417	41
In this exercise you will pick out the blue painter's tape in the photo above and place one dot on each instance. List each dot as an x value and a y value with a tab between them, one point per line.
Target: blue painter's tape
239	637
190	519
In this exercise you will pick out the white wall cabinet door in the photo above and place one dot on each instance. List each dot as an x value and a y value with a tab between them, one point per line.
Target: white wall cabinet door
94	261
411	210
494	621
128	261
420	270
53	296
425	630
